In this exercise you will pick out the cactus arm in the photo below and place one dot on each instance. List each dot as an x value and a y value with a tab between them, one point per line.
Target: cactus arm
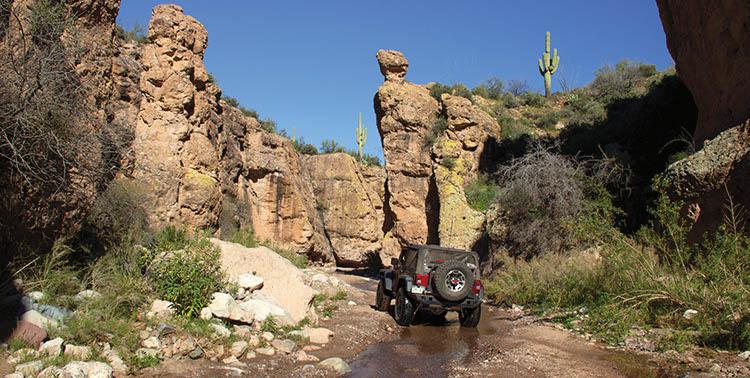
541	67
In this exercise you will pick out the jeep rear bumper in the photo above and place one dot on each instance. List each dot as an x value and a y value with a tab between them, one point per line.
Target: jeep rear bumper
429	300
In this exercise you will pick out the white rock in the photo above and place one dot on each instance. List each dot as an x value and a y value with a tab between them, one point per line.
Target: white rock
90	369
152	343
77	352
284	283
238	348
265	351
319	278
36	296
30	369
86	294
301	356
147	352
250	355
221	331
14	375
253	340
261	308
286	346
49	372
690	314
223	306
744	355
242	331
250	282
52	348
160	309
351	303
337	365
115	361
230	360
268	336
206	313
37	319
319	335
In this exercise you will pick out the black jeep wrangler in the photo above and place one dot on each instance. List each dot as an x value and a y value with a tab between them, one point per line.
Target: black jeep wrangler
433	278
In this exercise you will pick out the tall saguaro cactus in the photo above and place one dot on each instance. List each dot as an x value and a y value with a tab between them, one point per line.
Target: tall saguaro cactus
548	66
361	137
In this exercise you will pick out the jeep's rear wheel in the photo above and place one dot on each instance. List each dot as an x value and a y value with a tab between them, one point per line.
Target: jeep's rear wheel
453	280
404	311
469	317
382	299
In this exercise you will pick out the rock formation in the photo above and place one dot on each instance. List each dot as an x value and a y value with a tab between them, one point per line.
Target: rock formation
175	153
456	158
710	44
265	188
349	198
405	115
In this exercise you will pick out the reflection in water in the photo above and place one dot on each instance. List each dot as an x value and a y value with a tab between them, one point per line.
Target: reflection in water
421	350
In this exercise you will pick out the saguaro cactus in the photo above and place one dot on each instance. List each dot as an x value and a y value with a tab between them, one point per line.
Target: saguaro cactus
361	137
548	66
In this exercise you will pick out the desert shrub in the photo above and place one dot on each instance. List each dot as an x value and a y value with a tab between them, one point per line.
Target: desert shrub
244	237
137	34
438	128
304	148
616	82
517	87
584	109
231	101
437	89
187	276
268	125
368	159
329	146
481	193
492	88
533	99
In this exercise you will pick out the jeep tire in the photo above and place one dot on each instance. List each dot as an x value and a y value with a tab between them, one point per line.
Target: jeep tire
404	311
453	280
382	298
469	317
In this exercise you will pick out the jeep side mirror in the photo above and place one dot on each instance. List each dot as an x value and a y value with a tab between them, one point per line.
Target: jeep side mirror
394	261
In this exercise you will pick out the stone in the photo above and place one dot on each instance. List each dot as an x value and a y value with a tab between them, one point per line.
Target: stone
115	361
206	313
744	355
196	353
143	334
30	369
260	308
715	368
242	331
405	114
250	355
52	312
38	320
147	352
283	285
230	360
311	348
49	372
249	281
351	303
90	369
354	222
268	336
77	352
301	356
14	375
151	342
690	314
336	364
85	295
52	348
36	296
238	348
220	330
29	332
164	329
265	351
319	335
223	306
161	309
253	340
393	65
286	346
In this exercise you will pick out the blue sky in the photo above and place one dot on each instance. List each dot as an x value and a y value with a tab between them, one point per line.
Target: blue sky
310	65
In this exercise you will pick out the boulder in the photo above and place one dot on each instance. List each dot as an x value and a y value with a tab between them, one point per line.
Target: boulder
29	332
285	346
77	352
349	197
49	372
265	351
90	369
160	309
221	331
30	369
38	320
52	348
262	308
238	348
406	113
249	281
319	335
336	364
283	282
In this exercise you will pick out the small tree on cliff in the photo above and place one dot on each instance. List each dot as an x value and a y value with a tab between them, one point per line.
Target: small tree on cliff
548	66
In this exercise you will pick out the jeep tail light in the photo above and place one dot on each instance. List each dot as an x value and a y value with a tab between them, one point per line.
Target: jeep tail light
423	279
477	287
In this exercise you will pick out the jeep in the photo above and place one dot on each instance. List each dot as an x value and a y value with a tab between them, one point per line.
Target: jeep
432	278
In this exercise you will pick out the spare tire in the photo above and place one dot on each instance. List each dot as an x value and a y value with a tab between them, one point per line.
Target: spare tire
453	280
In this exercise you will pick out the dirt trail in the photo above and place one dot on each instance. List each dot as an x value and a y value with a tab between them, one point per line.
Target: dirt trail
376	347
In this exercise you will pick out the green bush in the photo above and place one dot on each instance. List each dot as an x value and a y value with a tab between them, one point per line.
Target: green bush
492	88
137	34
612	83
534	99
436	131
481	193
268	125
437	89
245	237
329	146
304	148
188	276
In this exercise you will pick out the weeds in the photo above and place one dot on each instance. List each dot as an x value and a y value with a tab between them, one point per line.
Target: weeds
480	193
